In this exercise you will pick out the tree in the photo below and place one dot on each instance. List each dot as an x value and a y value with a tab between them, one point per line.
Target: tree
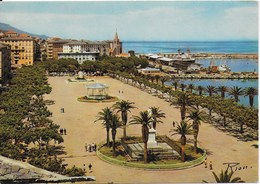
145	120
156	114
114	124
210	89
191	87
251	93
200	89
175	84
225	177
236	91
183	129
124	107
196	117
183	100
222	90
105	116
164	79
183	86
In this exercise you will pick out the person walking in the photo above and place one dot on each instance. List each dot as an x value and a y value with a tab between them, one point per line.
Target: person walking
90	166
65	131
84	168
89	148
210	165
95	147
61	131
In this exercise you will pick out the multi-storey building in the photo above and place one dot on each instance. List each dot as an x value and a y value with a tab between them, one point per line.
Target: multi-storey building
5	63
54	46
11	33
23	49
80	57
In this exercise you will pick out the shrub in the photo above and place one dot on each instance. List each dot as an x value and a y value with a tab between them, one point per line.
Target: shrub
74	171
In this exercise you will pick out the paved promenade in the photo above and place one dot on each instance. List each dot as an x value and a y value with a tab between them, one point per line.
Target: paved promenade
79	119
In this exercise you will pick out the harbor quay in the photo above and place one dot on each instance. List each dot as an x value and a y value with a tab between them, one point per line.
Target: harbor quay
215	55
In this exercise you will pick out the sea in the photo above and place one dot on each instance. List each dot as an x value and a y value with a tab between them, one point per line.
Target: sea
236	65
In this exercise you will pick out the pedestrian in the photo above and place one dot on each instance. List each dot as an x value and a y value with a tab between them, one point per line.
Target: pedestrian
173	123
122	91
61	131
92	146
119	91
65	131
210	165
95	147
84	167
90	166
206	164
86	146
89	148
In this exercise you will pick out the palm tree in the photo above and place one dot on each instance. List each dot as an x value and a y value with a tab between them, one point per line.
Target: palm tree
156	114
157	77
123	107
222	90
182	129
225	177
200	89
191	87
183	86
183	100
236	92
175	84
210	89
196	117
251	93
105	115
145	120
164	79
114	124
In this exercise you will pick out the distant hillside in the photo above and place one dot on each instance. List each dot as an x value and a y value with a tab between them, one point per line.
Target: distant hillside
6	27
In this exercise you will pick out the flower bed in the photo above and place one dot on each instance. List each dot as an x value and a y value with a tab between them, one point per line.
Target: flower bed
108	99
104	154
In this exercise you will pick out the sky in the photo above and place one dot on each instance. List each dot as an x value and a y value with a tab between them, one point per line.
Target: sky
136	20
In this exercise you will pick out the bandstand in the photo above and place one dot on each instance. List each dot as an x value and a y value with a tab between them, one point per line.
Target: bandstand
97	91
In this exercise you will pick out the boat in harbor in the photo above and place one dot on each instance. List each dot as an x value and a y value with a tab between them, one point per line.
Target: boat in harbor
224	68
184	57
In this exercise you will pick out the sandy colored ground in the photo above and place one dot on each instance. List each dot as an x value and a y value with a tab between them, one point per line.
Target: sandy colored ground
79	119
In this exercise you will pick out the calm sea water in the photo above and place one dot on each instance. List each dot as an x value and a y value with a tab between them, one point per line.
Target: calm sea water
228	83
145	47
236	65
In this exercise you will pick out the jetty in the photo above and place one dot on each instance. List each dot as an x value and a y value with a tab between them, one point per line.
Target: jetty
211	55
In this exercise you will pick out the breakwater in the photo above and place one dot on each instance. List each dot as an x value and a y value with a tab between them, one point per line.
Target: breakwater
214	55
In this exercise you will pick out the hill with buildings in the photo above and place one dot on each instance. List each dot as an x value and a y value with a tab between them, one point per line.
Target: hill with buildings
6	27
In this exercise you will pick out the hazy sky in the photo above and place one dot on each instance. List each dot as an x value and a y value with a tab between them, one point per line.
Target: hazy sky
180	21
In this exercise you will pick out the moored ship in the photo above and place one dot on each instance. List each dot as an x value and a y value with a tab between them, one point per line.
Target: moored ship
184	57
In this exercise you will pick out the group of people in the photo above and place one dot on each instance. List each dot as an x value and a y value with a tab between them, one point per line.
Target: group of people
91	147
121	91
89	167
206	164
63	131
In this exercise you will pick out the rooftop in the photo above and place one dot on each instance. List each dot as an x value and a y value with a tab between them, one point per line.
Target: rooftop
96	86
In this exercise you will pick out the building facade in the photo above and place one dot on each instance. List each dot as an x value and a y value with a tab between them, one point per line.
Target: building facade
54	46
23	49
5	63
80	57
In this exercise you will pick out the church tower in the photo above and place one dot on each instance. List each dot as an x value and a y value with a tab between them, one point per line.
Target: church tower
116	46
